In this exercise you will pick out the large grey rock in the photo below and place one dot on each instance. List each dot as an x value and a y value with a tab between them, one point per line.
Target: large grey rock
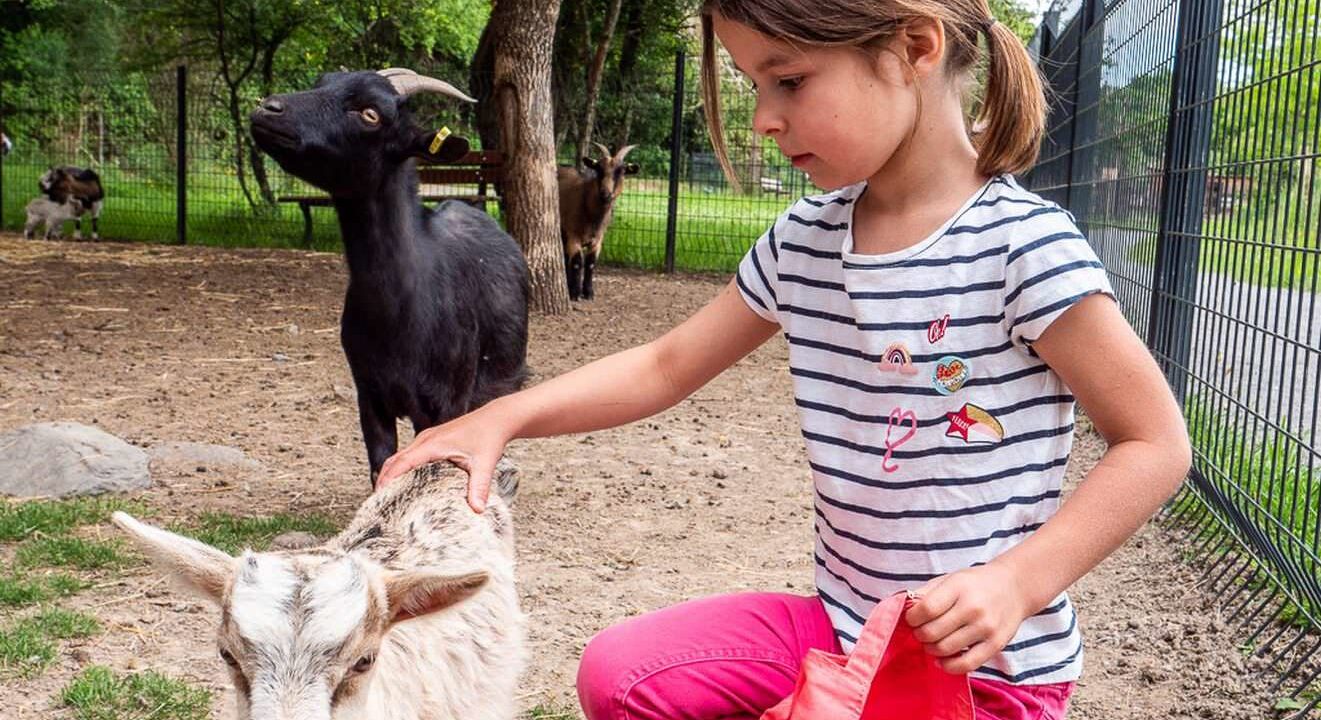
192	454
60	458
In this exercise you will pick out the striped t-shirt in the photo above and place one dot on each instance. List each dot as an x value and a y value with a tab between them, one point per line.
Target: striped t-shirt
937	439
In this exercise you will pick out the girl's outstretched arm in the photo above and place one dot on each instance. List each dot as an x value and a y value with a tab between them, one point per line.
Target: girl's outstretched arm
968	616
617	389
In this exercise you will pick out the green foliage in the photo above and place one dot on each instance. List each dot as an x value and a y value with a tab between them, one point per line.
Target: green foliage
73	552
99	694
19	521
30	589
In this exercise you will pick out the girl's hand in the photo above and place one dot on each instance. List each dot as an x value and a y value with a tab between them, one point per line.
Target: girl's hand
468	442
966	617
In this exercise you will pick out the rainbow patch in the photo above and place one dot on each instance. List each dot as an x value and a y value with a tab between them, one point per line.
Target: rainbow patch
896	358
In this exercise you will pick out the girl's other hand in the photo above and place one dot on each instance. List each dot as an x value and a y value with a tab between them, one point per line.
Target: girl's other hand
966	617
467	442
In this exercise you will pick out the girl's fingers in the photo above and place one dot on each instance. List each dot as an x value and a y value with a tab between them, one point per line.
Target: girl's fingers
479	487
935	599
971	659
955	642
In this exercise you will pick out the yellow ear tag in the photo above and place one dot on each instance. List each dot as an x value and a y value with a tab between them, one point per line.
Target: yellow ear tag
441	134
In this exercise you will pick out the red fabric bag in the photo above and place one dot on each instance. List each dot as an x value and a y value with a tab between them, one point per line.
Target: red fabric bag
887	677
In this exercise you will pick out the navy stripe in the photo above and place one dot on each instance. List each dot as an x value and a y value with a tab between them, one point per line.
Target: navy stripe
933	292
1007	199
821	563
937	482
876	357
832	201
1058	270
853	614
812	282
977	229
929	452
1042	242
957	512
756	263
1053	307
1053	608
775	251
909	390
1043	639
805	250
738	278
939	262
1035	672
822	224
885	419
887	327
926	547
872	572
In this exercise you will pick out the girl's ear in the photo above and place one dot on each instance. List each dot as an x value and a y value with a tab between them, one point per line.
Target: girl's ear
923	45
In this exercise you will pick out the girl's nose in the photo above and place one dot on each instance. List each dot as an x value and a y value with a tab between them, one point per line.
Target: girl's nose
766	120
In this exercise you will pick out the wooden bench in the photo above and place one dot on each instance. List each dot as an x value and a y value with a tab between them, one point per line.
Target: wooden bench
485	169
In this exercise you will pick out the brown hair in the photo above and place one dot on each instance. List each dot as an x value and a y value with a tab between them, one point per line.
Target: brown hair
1012	118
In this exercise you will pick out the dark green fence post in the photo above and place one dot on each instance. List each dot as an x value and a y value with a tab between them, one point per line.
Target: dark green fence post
1183	189
181	156
676	143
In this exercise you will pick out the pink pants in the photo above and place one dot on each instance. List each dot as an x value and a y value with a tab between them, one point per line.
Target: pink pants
734	656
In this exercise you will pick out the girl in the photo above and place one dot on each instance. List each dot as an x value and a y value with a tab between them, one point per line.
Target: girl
940	319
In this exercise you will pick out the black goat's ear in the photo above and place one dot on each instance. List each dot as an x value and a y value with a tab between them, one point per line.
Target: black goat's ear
591	163
439	146
630	168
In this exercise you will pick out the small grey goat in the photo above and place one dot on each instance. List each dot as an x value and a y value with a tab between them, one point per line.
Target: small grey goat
43	210
409	613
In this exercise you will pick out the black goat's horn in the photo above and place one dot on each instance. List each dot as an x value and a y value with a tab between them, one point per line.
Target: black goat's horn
406	82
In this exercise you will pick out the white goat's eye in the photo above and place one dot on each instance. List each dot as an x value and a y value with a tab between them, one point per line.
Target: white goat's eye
364	664
371	116
229	658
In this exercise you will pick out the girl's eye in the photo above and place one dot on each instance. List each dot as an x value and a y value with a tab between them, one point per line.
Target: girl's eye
791	83
370	116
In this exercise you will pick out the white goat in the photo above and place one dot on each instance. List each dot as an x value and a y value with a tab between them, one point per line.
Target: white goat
43	210
409	613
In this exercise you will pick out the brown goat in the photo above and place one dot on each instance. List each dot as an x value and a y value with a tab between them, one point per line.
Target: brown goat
587	203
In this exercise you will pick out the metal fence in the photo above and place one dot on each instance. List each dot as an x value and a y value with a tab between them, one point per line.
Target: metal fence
172	149
1184	138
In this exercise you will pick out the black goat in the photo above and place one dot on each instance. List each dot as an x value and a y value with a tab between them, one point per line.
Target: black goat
587	203
80	189
435	318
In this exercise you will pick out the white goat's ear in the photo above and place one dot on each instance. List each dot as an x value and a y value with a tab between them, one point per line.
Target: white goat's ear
198	566
415	593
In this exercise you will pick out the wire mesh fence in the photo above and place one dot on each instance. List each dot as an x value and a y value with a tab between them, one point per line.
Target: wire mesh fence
1184	138
128	129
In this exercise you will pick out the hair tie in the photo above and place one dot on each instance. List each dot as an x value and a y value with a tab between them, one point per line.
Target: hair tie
988	24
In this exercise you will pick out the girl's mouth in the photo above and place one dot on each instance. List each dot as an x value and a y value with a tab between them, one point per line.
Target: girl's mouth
801	160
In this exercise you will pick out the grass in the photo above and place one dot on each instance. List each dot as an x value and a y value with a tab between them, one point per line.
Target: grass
541	712
99	694
20	521
232	533
28	646
74	552
30	589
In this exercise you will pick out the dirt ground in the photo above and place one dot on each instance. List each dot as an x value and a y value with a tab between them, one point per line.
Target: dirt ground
240	348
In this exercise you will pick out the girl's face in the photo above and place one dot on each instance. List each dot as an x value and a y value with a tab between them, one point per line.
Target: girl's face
837	115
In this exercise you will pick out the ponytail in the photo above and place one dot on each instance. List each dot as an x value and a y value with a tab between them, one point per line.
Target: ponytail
1012	120
711	100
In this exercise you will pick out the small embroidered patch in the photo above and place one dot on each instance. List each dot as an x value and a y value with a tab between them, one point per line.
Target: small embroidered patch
896	358
937	330
950	374
975	426
898	418
438	140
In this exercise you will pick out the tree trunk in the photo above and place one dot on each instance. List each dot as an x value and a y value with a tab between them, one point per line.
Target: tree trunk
523	46
594	78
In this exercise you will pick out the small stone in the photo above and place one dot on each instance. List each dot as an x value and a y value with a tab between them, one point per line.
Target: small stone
81	656
280	357
719	474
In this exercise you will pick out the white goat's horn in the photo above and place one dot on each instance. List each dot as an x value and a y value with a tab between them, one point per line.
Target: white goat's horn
619	156
605	151
406	82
